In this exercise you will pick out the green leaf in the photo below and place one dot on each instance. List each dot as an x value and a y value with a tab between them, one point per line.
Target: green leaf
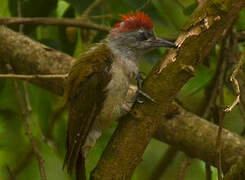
202	78
62	8
4	8
78	47
240	23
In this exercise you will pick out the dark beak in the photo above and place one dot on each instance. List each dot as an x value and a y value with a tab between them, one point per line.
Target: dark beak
158	42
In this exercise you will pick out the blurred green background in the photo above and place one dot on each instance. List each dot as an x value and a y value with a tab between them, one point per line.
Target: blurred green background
48	117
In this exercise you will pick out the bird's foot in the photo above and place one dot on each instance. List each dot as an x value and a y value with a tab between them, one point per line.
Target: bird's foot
136	98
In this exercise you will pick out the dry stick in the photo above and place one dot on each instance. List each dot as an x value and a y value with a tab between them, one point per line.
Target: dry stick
230	52
29	133
235	84
22	164
184	165
148	2
95	4
21	28
102	16
56	116
27	97
12	176
241	36
180	4
29	155
24	113
241	81
219	140
164	163
218	84
26	93
224	55
53	21
33	76
208	171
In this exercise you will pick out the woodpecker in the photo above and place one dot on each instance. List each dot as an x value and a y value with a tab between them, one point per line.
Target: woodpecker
97	94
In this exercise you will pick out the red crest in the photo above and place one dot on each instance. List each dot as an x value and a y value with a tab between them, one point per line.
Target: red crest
132	22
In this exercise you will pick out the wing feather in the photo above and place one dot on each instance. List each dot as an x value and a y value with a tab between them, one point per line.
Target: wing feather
86	93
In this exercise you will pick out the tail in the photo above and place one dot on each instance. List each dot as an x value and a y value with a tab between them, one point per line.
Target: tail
80	168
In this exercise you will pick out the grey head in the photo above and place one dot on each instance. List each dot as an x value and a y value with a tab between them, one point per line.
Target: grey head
134	36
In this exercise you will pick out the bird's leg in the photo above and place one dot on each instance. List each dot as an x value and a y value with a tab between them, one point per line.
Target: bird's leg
139	80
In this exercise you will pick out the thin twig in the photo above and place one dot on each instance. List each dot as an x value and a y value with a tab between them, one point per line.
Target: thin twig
24	113
54	22
185	164
219	136
235	83
95	4
56	116
27	97
164	163
33	76
241	36
12	176
180	4
19	12
102	16
218	84
148	2
208	171
22	164
235	102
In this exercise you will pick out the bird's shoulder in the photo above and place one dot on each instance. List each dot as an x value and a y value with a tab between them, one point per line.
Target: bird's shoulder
95	60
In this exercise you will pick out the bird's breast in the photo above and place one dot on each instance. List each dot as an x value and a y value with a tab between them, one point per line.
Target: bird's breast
116	95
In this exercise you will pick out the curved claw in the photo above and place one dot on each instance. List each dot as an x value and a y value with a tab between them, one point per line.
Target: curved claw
147	96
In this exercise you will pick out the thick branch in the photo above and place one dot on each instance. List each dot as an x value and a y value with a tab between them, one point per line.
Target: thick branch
53	21
197	138
207	25
30	57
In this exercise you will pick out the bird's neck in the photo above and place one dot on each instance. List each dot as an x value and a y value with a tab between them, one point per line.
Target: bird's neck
125	57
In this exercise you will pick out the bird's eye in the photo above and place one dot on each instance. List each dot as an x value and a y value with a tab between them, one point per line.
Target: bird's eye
143	36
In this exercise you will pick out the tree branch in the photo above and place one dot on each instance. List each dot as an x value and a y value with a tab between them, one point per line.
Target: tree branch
54	22
29	57
34	76
25	116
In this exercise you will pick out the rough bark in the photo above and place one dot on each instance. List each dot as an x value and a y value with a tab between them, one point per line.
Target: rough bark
195	134
29	57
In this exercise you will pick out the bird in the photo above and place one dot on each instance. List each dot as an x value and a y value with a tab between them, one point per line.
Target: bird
99	80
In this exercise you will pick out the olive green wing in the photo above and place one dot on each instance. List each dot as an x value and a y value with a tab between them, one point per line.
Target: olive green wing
94	60
86	96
